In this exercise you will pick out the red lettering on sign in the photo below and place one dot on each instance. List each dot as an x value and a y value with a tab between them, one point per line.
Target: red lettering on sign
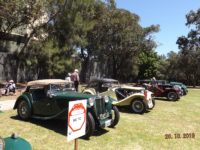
76	107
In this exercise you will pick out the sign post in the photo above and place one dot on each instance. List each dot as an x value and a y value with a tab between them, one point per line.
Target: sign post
76	120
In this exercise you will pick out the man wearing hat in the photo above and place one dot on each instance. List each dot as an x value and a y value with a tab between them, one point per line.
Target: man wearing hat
10	87
75	79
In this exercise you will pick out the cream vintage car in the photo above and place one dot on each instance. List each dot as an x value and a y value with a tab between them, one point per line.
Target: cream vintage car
137	99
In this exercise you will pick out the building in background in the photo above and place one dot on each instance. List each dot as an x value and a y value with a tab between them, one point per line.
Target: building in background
10	43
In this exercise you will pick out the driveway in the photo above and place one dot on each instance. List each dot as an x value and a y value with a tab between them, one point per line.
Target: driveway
7	105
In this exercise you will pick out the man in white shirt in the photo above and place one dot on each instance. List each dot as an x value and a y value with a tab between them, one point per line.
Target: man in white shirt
75	79
10	87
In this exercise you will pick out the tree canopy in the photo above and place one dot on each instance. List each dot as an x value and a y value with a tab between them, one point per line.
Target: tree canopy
189	55
94	31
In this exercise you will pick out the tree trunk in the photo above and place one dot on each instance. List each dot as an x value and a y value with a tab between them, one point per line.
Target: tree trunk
114	74
84	70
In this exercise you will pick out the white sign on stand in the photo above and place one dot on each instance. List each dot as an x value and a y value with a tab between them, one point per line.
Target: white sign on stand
76	119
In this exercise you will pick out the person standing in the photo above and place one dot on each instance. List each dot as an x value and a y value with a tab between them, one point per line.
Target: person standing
75	79
154	81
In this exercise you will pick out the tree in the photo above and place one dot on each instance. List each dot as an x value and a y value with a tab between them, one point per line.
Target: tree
115	41
93	29
148	65
30	16
190	48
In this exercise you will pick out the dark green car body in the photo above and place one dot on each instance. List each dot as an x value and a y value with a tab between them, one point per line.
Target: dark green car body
41	100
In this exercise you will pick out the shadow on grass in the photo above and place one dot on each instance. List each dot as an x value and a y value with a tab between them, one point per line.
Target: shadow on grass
127	110
164	99
58	126
98	132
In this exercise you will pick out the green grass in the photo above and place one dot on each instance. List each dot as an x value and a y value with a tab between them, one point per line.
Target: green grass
134	132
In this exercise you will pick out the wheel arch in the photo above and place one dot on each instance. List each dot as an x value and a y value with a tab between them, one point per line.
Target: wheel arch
139	97
90	90
128	100
25	98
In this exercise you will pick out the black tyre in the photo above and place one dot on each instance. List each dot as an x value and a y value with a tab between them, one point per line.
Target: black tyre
115	117
154	103
90	126
23	110
184	92
172	96
138	106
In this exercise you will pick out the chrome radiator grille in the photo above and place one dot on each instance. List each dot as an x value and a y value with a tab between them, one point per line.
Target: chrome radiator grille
100	107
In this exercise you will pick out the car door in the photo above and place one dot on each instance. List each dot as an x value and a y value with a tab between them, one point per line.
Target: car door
43	105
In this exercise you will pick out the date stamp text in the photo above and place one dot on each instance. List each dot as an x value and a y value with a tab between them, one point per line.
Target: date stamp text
180	136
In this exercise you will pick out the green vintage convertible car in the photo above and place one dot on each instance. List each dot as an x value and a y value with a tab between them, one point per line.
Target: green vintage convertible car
137	99
49	99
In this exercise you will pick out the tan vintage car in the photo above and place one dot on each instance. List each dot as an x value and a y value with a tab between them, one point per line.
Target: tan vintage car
137	99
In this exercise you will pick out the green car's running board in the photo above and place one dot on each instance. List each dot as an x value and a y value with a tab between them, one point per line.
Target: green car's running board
49	117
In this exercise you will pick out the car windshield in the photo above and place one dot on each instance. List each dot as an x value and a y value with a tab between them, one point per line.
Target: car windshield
110	84
62	87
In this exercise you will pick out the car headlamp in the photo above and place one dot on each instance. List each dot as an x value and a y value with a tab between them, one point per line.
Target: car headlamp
91	101
106	98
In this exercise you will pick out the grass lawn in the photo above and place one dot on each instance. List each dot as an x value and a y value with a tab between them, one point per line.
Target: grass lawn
10	97
4	98
134	132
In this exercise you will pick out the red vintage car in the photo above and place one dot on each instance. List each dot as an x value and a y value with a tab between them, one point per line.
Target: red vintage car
171	92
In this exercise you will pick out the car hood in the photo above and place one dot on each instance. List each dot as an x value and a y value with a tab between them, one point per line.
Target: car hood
124	86
72	95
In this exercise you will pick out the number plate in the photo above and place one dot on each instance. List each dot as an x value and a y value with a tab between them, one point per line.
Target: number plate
107	123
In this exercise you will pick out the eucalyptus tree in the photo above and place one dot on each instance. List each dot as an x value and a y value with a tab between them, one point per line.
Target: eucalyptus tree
115	40
190	48
162	72
173	70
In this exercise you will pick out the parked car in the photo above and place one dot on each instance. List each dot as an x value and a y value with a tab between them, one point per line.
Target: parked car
183	87
164	90
49	99
14	143
138	99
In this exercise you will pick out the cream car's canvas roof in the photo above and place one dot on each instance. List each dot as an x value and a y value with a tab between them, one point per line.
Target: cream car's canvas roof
47	81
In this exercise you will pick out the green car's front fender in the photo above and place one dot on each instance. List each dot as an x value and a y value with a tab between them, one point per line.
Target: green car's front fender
90	91
22	97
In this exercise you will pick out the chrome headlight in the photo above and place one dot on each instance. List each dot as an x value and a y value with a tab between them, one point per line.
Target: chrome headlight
106	98
91	101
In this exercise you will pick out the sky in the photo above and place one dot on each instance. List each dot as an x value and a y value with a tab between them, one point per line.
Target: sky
169	14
